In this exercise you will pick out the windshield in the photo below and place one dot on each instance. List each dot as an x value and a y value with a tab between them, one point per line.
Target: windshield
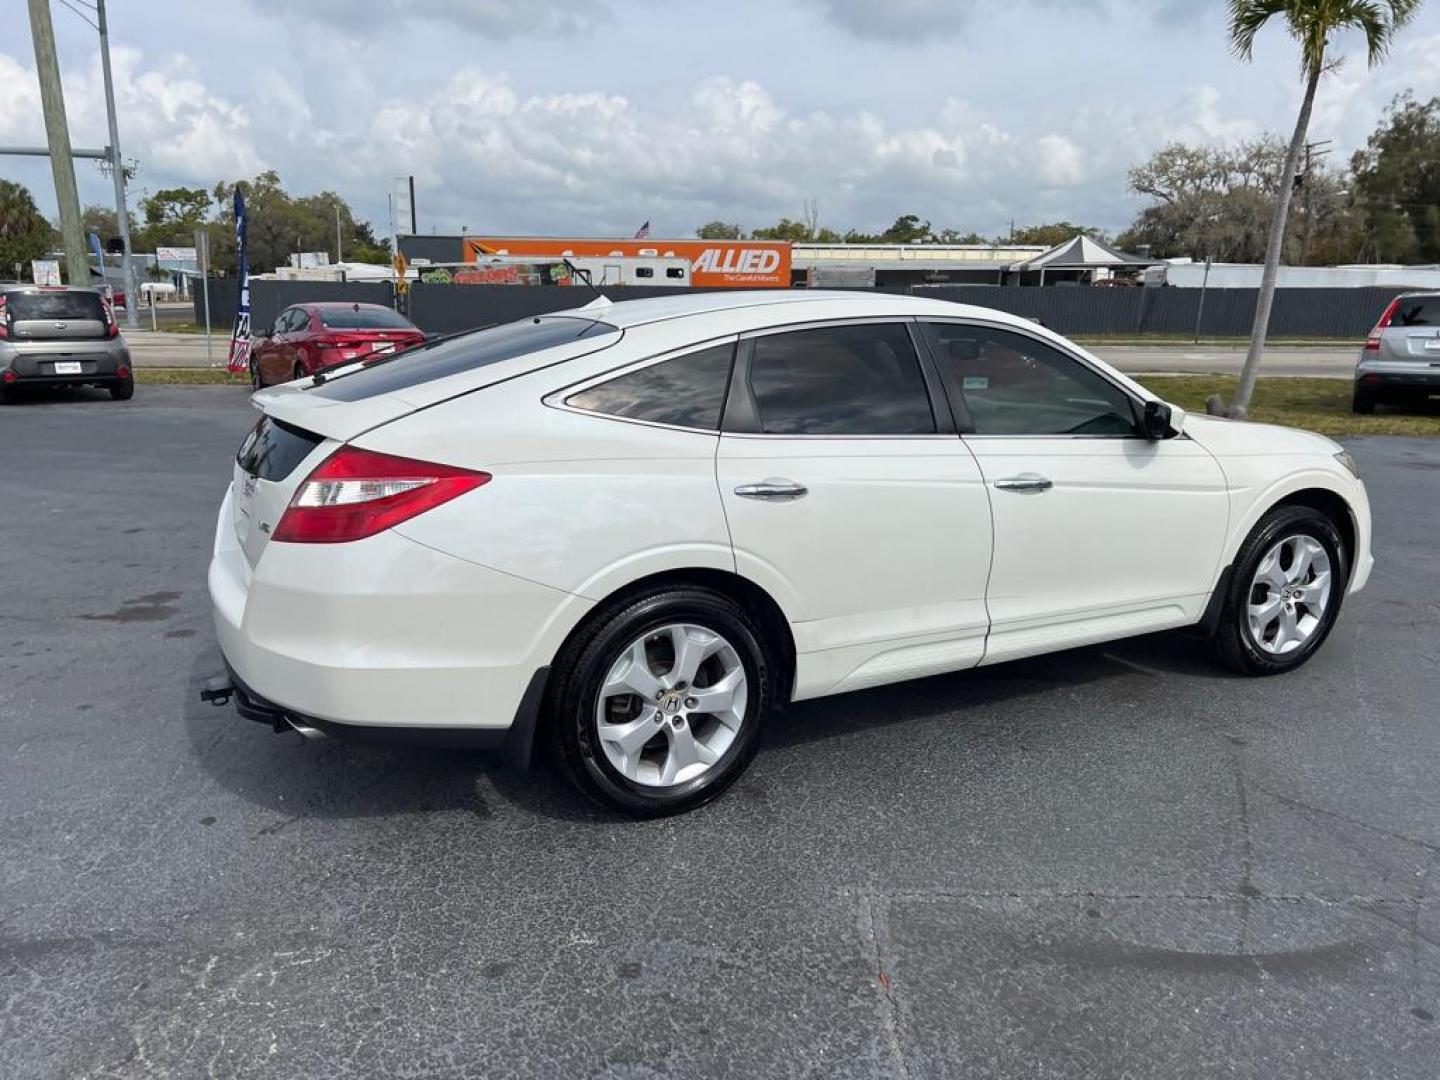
426	363
356	317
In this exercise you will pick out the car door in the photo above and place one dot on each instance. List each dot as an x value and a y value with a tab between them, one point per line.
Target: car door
271	362
1099	532
851	500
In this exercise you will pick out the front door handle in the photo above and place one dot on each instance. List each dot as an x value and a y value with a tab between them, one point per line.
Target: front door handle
773	489
1027	483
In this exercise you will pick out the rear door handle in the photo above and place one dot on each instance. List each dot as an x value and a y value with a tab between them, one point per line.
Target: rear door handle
1027	483
773	489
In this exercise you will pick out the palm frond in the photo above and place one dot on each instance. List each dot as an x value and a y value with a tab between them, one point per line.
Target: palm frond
1247	18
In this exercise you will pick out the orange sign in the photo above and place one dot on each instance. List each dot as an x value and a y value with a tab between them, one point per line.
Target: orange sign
746	264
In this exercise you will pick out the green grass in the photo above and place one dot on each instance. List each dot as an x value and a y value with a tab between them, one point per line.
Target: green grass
188	376
1321	405
1206	341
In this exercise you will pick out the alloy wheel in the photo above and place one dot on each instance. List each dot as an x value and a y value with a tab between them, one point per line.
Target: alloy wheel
1289	594
671	704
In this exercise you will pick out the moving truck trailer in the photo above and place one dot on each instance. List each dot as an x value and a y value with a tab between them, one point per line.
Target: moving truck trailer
743	264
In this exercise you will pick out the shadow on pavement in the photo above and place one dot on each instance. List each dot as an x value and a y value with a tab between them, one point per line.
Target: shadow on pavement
331	778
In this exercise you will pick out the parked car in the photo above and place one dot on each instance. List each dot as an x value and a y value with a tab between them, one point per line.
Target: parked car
59	335
306	337
635	529
1400	363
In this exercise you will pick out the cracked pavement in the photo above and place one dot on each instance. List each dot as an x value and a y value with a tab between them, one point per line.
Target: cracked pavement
1113	862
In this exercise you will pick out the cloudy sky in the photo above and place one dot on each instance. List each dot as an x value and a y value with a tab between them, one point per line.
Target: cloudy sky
591	116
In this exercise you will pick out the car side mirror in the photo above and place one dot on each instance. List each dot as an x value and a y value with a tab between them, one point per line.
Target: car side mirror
1155	423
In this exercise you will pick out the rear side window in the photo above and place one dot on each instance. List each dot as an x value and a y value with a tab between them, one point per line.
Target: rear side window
54	305
426	363
840	380
356	318
688	391
273	449
1418	311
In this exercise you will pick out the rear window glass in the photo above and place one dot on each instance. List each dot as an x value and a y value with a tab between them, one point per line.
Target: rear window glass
484	347
54	305
353	318
1418	311
273	449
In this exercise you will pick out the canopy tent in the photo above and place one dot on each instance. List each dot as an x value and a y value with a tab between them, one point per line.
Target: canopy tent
1082	253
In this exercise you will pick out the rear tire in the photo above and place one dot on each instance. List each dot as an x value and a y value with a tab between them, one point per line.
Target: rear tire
255	383
123	390
1284	594
1363	404
299	372
660	750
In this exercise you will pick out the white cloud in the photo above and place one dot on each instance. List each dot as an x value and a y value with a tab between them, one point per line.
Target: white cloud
174	126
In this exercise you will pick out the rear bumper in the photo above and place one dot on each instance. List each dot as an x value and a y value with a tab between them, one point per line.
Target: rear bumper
384	634
37	364
1387	378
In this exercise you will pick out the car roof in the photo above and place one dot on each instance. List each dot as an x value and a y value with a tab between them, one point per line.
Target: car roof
780	306
27	286
321	305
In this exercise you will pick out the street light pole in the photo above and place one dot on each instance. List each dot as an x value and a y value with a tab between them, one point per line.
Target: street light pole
122	214
57	135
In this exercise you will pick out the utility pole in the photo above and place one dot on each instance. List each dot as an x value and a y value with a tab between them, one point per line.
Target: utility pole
1312	151
57	134
339	258
117	169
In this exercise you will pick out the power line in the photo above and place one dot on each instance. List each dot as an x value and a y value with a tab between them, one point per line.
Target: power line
81	14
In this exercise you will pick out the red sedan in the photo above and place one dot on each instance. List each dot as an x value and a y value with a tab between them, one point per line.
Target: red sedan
309	336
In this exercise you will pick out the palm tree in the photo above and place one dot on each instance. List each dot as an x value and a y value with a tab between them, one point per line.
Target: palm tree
1312	23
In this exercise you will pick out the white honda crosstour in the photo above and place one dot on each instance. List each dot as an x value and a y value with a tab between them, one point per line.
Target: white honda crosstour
633	530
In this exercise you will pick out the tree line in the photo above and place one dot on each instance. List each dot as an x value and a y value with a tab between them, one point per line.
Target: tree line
279	224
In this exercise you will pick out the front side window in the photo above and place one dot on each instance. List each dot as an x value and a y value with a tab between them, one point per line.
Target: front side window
687	391
1012	384
840	380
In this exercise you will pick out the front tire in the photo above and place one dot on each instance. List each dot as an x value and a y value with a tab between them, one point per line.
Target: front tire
255	381
1284	594
657	705
124	389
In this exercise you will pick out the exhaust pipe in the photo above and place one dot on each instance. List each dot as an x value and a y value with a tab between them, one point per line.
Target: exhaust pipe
304	729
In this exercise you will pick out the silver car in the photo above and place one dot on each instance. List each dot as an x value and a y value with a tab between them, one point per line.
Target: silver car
1400	362
61	335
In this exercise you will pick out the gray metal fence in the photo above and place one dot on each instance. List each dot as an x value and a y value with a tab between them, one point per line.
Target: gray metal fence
1227	312
269	298
1340	313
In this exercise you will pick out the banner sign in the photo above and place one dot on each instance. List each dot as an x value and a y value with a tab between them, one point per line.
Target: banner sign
175	254
240	337
746	264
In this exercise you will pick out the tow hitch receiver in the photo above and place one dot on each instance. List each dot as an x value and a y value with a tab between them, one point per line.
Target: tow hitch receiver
217	691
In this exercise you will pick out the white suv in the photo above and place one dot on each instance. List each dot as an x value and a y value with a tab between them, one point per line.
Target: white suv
637	528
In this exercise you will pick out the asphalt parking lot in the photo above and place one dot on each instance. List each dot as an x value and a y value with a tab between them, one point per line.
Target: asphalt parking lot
1112	862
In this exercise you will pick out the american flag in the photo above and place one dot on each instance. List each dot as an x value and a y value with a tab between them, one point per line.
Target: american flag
642	232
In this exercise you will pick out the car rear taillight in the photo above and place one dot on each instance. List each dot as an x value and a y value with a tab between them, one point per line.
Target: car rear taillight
1372	343
4	319
112	326
356	493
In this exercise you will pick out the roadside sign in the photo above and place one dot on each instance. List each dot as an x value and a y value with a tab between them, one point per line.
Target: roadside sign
176	254
202	251
402	286
45	271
